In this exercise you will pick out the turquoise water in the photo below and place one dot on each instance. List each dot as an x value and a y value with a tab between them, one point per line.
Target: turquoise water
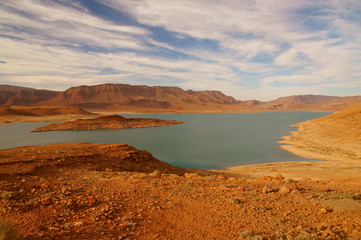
206	140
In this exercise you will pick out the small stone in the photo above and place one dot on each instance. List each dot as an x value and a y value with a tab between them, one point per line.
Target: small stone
156	174
47	201
295	191
328	233
77	224
8	195
284	189
280	177
91	200
234	200
326	210
44	186
267	178
267	189
191	175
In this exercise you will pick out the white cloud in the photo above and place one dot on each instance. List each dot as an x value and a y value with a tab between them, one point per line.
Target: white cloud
291	57
258	44
61	25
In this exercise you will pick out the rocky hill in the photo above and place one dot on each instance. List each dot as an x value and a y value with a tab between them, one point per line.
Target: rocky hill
122	96
337	136
106	122
8	91
29	97
305	102
297	101
134	98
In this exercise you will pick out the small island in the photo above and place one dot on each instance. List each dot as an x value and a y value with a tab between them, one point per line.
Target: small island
106	122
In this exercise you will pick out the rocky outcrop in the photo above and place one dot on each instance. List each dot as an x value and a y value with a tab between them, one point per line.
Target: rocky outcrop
106	122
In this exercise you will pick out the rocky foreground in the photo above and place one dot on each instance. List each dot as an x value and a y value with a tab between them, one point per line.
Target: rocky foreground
106	122
114	191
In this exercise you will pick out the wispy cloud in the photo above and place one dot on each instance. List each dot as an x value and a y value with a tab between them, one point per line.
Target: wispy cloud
250	49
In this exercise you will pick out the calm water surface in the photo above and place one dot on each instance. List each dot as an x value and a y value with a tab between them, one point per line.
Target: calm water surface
206	140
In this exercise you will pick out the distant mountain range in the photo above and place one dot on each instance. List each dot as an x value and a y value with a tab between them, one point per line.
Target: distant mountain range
134	98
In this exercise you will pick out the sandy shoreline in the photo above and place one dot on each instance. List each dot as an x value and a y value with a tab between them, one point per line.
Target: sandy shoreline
325	167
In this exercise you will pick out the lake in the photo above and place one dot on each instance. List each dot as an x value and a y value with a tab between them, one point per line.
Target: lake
206	140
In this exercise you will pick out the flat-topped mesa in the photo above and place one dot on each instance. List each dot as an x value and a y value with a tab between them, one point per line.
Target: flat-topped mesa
106	122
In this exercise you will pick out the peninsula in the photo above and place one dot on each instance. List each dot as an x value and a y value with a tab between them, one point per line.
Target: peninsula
335	139
106	122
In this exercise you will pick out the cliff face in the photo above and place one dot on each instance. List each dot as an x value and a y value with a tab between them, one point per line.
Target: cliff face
115	96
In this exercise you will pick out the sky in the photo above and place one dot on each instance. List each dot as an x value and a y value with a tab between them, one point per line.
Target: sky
248	49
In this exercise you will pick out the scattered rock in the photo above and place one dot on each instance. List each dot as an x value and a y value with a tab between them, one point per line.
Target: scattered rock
267	189
284	189
191	175
156	174
326	210
8	194
91	200
234	200
280	177
47	201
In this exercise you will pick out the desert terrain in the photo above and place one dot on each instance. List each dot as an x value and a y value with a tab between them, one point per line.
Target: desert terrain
114	191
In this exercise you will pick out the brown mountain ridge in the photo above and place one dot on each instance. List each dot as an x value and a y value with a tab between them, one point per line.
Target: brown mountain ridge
141	98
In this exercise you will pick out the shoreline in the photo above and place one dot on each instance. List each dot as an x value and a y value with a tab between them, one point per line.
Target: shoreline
329	166
325	166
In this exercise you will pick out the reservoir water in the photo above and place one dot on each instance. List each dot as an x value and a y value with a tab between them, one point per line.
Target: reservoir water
206	140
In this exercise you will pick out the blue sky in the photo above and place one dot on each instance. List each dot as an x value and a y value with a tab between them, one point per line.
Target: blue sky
249	49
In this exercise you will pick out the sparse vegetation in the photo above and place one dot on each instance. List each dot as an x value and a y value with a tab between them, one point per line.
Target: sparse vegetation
248	235
7	232
342	196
